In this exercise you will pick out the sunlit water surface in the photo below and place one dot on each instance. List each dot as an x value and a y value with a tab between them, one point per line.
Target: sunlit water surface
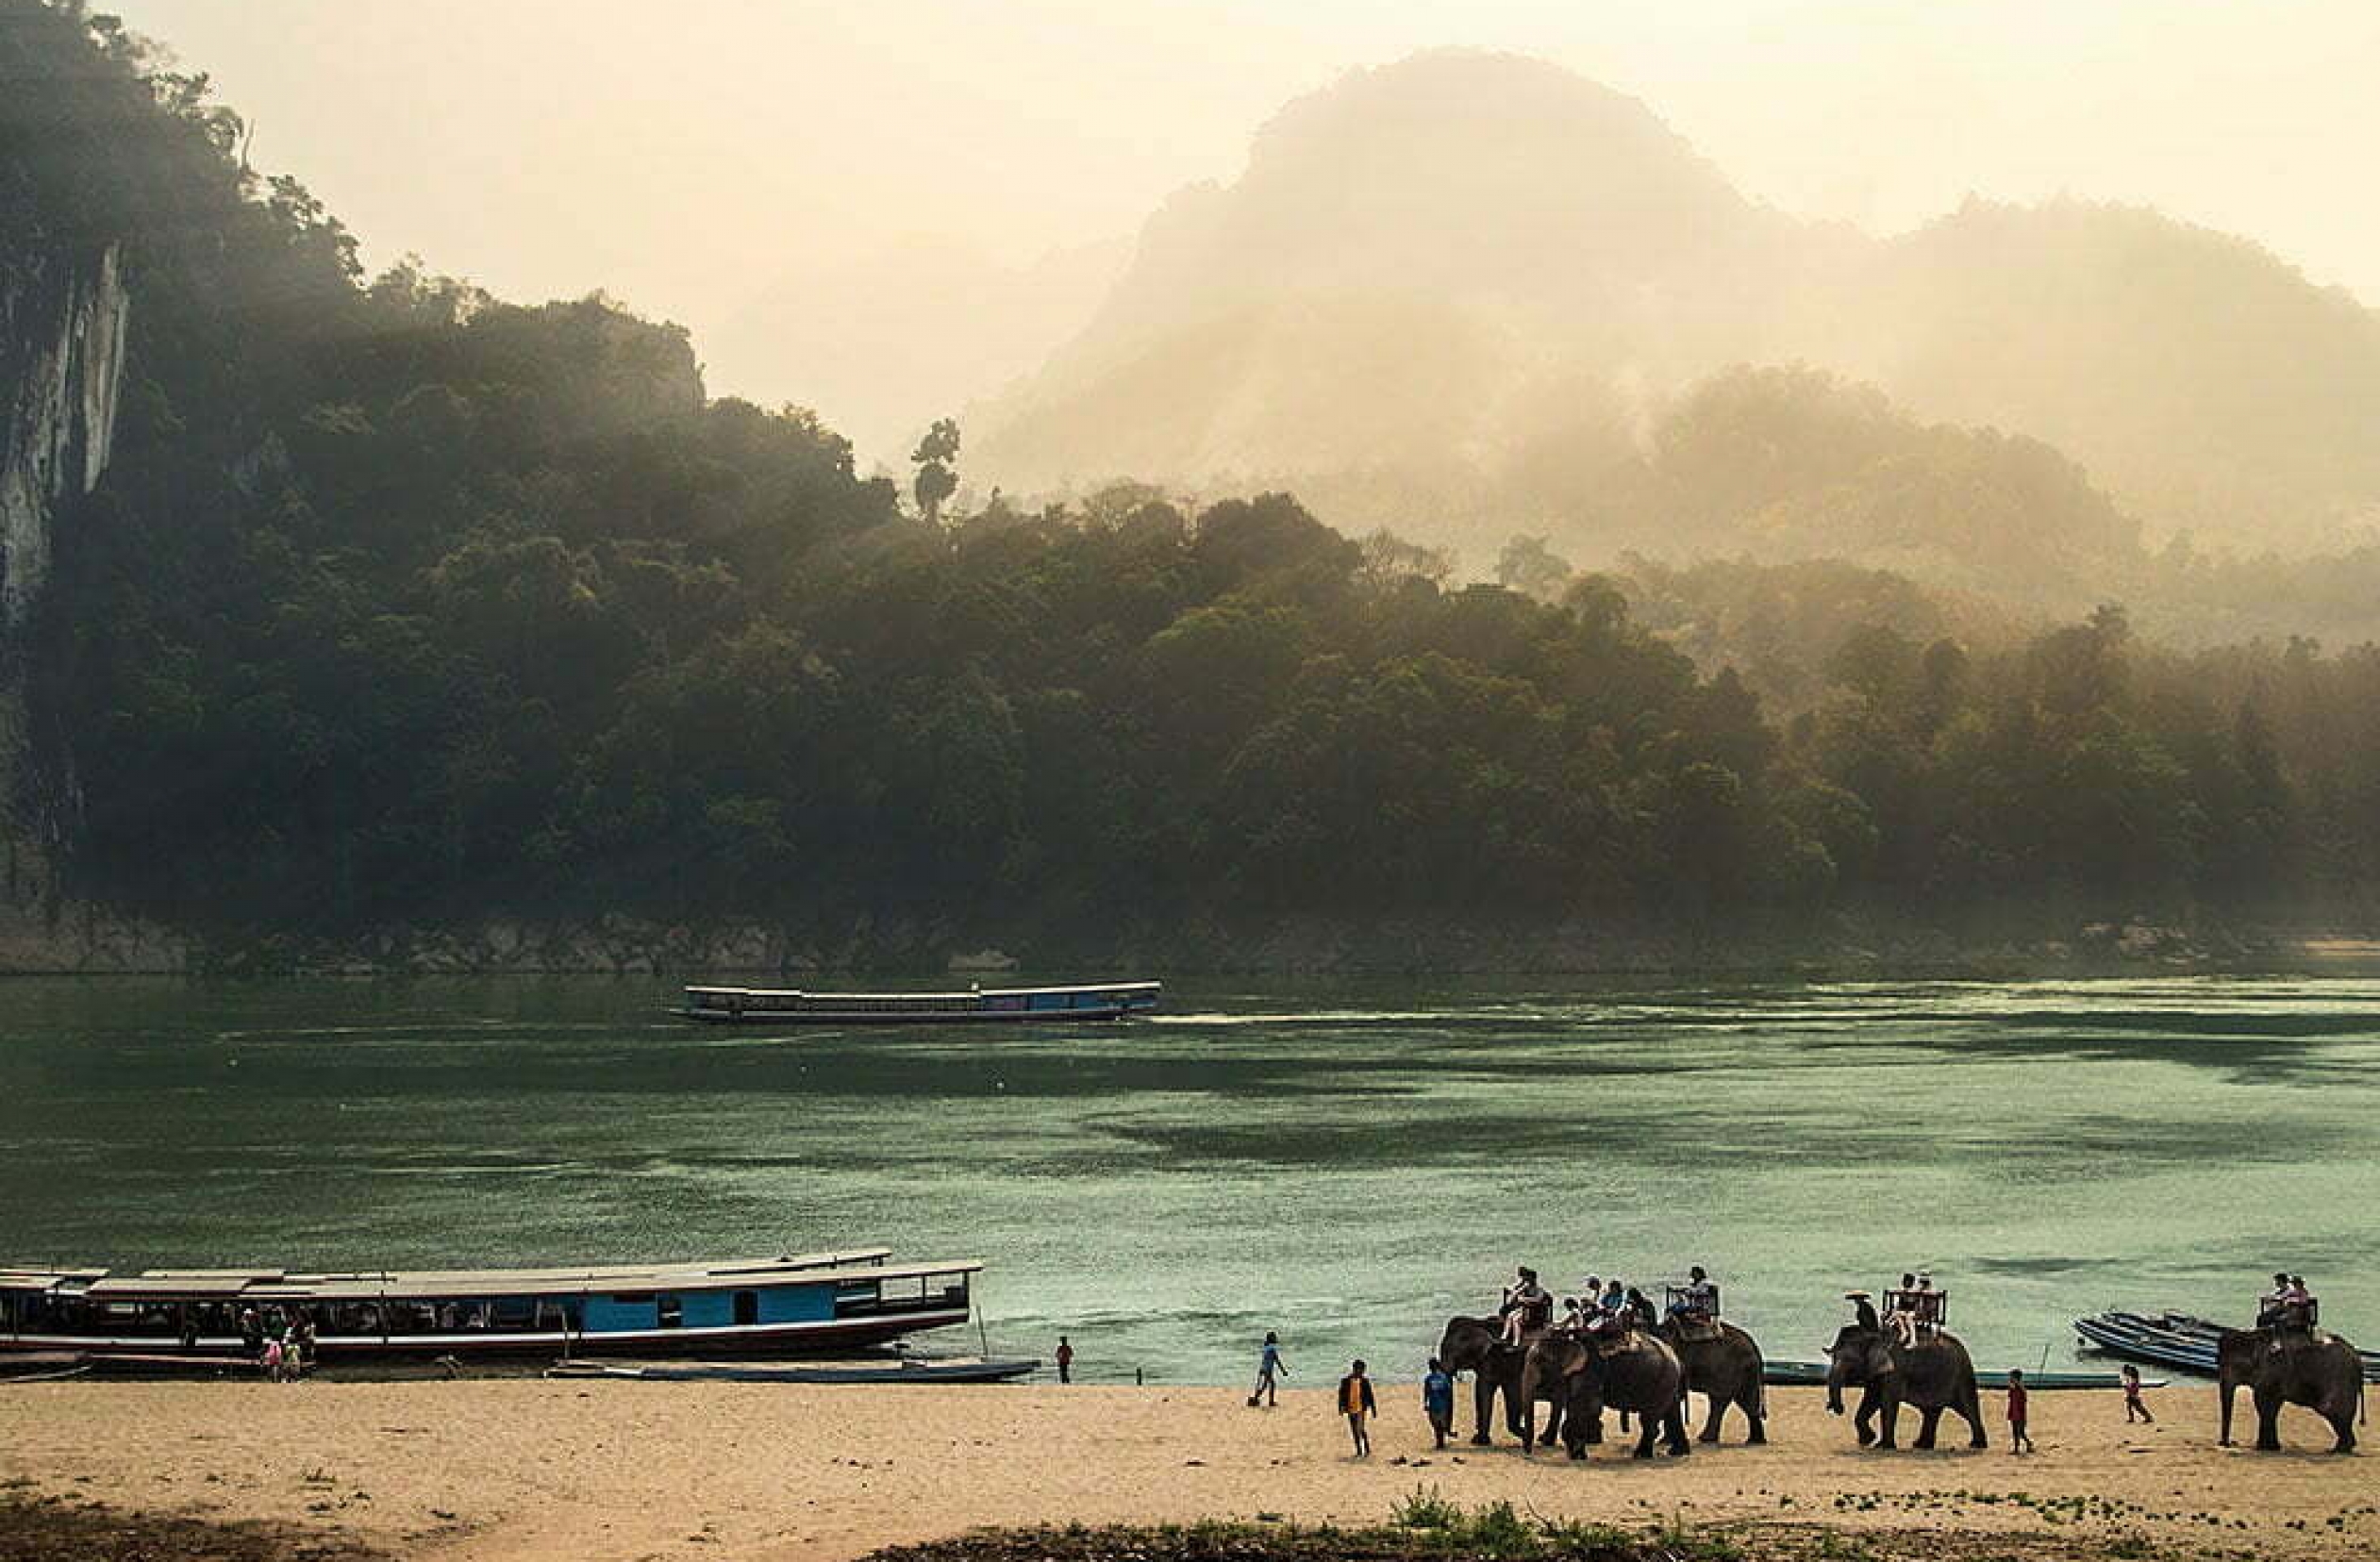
1346	1162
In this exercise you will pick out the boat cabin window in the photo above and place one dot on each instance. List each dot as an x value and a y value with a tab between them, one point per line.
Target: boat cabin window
747	1307
673	1310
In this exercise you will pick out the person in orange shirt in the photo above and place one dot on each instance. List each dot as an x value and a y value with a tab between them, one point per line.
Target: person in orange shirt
1356	1403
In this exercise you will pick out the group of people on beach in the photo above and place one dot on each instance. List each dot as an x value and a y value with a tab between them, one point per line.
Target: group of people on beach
1356	1398
281	1343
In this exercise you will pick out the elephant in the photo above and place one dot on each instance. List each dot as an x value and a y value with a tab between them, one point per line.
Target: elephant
1935	1374
2313	1367
1725	1367
1475	1345
1636	1372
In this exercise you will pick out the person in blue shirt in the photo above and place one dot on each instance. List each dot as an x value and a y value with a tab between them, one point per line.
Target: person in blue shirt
1271	1368
1438	1401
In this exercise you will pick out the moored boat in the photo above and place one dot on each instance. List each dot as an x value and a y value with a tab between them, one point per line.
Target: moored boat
790	1304
1812	1375
2182	1341
1090	1001
896	1370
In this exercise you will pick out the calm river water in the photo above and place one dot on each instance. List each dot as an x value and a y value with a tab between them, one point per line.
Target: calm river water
1346	1163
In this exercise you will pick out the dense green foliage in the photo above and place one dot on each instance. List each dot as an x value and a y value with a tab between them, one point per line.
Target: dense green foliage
401	604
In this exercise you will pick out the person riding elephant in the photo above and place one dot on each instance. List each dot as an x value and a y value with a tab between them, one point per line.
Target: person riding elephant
1636	1372
2315	1368
1933	1374
1475	1345
1723	1365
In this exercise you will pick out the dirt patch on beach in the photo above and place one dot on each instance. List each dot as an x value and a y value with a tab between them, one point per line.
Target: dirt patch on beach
55	1529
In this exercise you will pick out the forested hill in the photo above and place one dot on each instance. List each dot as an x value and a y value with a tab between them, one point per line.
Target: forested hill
399	605
1435	274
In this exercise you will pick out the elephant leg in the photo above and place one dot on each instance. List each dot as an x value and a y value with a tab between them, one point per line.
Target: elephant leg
1889	1419
1861	1420
1623	1421
1972	1411
1678	1445
2268	1421
1647	1429
1929	1419
1483	1405
1750	1405
1711	1421
1594	1435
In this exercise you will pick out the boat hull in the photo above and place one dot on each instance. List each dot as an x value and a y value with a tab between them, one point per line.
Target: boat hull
1095	1002
730	1340
909	1369
953	1017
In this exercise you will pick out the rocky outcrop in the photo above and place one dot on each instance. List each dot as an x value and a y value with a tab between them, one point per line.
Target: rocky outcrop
64	314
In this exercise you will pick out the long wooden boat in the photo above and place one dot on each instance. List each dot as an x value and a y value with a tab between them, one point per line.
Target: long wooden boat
1091	1001
2182	1341
790	1304
1812	1375
897	1370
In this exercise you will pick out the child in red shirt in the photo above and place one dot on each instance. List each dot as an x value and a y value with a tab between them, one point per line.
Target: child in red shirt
2018	1441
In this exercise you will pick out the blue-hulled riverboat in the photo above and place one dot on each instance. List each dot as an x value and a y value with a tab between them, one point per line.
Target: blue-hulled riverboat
794	1006
792	1305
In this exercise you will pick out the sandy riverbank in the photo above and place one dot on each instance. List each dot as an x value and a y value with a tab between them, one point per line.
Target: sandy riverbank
554	1471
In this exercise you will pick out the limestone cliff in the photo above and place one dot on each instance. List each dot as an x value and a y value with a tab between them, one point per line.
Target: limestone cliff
65	311
63	317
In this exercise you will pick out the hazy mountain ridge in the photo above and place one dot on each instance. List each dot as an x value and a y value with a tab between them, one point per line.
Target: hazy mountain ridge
1432	270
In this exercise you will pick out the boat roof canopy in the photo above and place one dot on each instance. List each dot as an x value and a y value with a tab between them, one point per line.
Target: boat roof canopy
45	1280
859	1266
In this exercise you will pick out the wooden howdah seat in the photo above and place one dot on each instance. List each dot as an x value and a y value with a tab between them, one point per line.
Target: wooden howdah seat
2304	1318
1931	1308
1696	1319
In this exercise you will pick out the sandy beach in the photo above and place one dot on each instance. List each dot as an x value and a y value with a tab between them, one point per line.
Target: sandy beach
548	1470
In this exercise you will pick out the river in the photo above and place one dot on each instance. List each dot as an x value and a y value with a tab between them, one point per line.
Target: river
1345	1162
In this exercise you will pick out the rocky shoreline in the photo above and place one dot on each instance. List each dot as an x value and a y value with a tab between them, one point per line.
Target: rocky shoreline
80	940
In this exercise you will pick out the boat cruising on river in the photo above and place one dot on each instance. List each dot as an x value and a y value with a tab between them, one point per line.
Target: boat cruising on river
794	1006
786	1305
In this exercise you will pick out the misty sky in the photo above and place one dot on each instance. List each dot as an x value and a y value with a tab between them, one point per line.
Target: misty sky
691	155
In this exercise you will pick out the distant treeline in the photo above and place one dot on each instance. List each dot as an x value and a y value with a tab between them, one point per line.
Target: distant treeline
401	604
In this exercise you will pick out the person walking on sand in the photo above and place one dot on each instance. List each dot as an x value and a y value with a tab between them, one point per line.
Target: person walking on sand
1438	1400
1356	1403
1065	1360
2019	1440
2135	1407
1271	1368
